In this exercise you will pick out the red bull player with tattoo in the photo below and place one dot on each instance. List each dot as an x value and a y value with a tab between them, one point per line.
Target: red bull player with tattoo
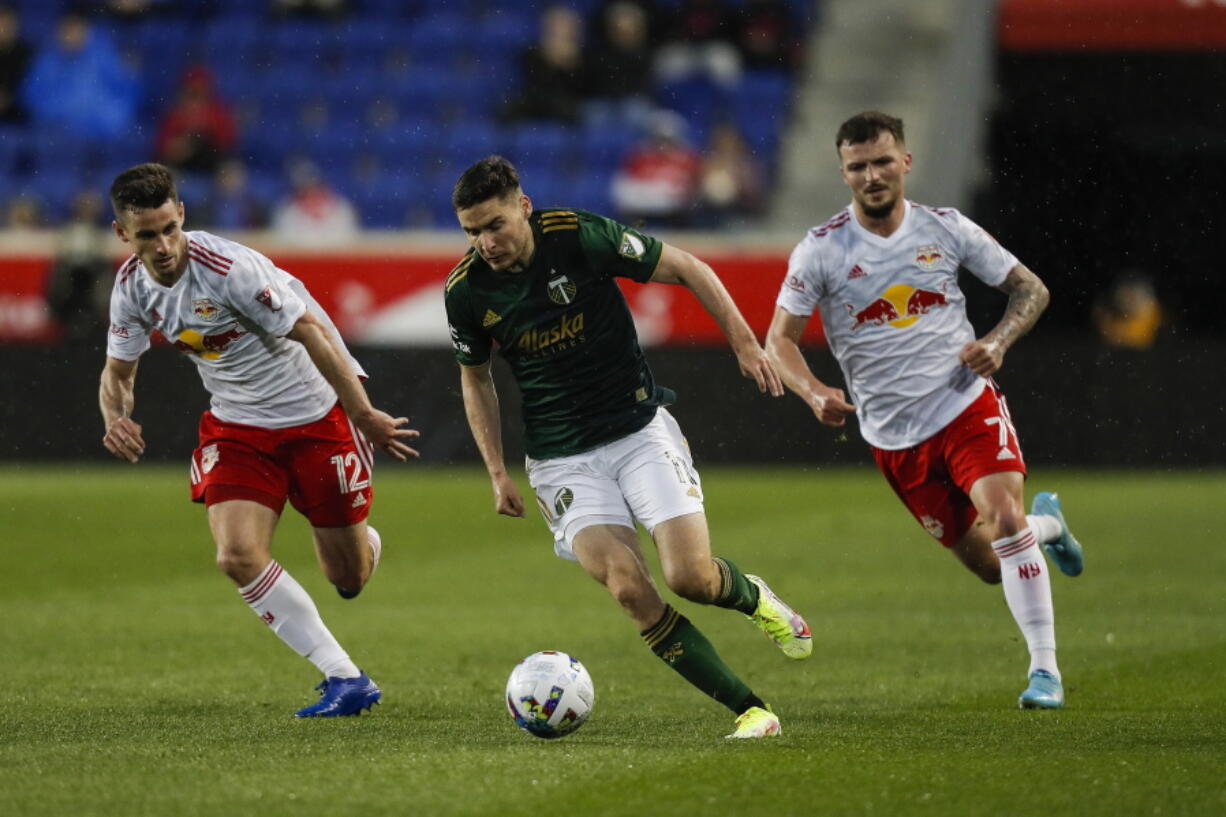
883	274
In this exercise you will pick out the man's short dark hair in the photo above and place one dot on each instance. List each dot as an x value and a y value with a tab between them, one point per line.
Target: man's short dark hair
866	127
492	177
144	187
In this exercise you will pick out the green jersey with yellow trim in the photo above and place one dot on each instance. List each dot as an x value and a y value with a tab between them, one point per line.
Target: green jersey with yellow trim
564	327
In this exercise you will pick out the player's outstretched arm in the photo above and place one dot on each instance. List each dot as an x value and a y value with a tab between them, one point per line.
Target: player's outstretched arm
829	404
680	267
383	430
1028	297
116	398
481	408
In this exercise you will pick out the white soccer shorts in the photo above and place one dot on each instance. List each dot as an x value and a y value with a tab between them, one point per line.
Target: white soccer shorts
646	476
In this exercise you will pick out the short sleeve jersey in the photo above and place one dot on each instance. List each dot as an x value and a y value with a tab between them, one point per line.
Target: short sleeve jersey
229	313
563	326
894	315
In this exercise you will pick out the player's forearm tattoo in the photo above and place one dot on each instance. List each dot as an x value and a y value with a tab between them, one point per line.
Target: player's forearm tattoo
1028	297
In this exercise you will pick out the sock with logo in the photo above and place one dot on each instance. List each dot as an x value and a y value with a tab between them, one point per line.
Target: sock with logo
283	604
679	644
1027	586
735	591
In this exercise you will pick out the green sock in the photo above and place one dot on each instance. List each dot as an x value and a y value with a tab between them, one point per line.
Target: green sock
735	591
680	645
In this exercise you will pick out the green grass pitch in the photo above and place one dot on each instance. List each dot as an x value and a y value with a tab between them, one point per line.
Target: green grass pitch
137	682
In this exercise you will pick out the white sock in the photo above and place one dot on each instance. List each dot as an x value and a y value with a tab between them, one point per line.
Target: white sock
1027	588
376	547
282	603
1046	528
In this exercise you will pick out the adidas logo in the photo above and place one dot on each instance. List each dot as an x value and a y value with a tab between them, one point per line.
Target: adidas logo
491	318
359	501
856	272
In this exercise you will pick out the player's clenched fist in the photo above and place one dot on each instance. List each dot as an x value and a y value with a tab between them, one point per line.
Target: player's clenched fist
984	358
830	406
123	439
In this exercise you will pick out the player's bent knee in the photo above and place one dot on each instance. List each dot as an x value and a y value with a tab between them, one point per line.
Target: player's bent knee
689	585
240	565
631	592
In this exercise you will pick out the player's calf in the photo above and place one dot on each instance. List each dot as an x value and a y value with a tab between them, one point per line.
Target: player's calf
375	542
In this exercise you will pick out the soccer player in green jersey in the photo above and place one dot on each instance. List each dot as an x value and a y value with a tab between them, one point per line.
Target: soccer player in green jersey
603	452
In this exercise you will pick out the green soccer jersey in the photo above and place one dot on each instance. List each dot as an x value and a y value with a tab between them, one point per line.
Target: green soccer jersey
565	329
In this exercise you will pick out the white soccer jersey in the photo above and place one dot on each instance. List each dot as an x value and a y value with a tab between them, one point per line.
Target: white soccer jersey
229	312
894	315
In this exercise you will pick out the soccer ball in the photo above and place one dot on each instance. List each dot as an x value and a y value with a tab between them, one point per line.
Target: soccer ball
550	694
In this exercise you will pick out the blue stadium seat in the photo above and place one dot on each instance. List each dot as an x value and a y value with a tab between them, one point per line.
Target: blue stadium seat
698	99
545	143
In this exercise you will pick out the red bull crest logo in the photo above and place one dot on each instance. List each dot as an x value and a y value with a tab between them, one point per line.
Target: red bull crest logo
928	256
900	306
205	309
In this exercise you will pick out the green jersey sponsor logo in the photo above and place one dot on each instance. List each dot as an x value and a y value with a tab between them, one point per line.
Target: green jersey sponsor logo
566	333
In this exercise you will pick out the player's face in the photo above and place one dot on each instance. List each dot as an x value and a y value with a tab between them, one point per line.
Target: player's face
500	231
156	236
875	171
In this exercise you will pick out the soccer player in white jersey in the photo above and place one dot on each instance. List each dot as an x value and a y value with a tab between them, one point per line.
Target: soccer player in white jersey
883	274
289	417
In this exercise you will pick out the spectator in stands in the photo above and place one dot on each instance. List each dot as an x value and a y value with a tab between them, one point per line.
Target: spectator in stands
658	180
78	81
700	44
79	287
14	60
232	204
314	214
1129	315
553	72
620	71
766	36
733	181
137	9
327	9
23	213
198	131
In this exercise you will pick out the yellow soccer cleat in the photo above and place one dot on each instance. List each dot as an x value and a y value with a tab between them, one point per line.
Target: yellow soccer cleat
781	623
756	722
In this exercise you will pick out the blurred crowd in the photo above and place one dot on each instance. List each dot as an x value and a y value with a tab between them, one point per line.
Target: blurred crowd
648	103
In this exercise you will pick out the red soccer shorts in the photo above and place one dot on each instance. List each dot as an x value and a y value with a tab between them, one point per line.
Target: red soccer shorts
323	468
934	478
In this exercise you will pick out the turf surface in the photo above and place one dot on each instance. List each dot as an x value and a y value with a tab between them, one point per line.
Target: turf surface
139	684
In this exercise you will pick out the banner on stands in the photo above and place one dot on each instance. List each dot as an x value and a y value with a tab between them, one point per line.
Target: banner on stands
398	301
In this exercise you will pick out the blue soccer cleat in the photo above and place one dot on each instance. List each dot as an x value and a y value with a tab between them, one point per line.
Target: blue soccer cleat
342	696
1065	551
1045	692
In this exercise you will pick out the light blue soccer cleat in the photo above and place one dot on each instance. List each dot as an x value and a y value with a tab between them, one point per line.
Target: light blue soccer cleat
342	696
1065	551
1045	692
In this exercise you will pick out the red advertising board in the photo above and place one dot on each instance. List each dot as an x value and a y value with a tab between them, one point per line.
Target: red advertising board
398	300
1104	25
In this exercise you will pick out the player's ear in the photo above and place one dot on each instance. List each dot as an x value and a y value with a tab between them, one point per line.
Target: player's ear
525	204
182	210
120	231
